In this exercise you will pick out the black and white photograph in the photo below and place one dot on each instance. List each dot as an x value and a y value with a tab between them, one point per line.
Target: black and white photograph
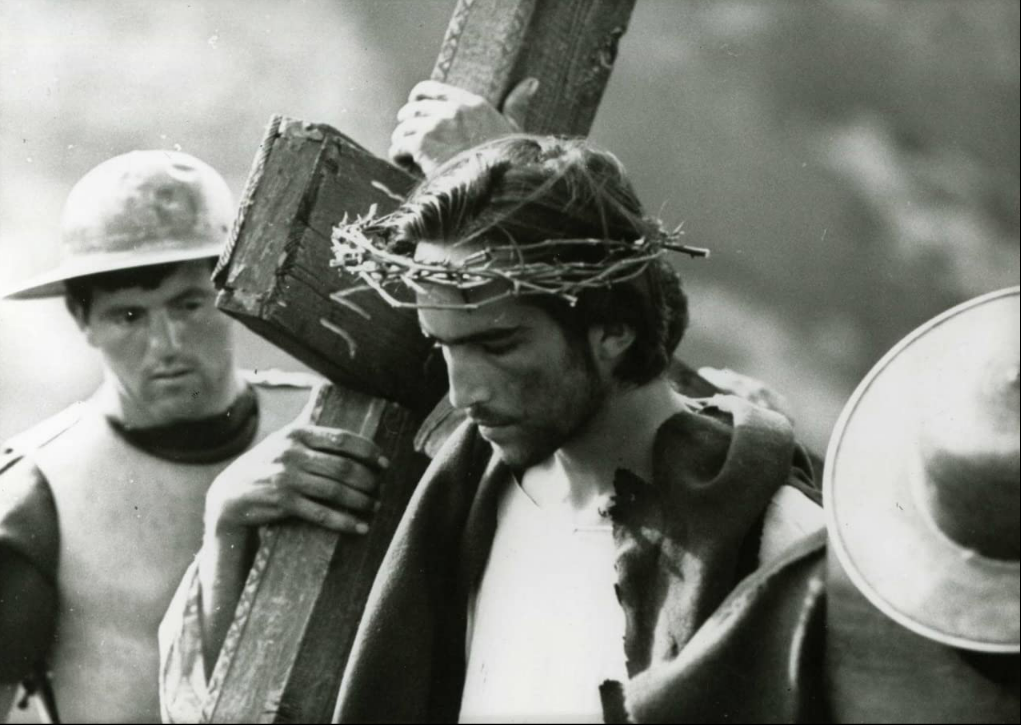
510	361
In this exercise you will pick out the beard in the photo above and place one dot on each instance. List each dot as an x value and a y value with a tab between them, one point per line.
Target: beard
564	403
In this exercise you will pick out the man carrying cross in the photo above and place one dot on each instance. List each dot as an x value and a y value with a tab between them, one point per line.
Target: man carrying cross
585	504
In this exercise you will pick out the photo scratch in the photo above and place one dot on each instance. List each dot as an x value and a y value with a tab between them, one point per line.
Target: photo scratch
341	298
386	190
352	346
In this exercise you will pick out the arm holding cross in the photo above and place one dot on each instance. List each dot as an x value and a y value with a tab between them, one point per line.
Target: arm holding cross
316	474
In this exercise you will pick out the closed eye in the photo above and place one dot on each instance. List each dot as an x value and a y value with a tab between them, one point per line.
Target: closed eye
495	338
499	348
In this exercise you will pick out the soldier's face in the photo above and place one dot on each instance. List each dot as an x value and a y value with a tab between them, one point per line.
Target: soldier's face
168	350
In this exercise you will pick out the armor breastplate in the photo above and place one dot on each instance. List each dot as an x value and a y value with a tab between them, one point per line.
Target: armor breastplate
130	524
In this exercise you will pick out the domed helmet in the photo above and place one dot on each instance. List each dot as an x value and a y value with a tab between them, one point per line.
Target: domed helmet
138	209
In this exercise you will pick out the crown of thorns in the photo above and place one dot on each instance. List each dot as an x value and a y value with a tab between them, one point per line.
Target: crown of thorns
363	248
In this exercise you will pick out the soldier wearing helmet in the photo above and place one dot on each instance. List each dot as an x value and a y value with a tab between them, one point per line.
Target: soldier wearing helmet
102	506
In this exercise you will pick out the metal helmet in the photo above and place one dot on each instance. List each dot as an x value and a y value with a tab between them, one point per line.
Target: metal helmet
921	479
134	210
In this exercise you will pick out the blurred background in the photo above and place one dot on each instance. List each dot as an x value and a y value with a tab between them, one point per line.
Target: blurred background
852	165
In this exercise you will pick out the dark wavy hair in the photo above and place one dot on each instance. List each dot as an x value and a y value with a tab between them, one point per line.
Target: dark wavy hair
526	189
79	291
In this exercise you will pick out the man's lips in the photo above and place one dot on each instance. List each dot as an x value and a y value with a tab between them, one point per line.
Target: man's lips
171	374
495	429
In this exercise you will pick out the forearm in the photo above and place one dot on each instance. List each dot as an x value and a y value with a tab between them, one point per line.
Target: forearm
223	566
7	693
28	609
320	475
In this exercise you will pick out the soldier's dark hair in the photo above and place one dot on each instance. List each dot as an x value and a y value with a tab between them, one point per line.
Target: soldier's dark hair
78	291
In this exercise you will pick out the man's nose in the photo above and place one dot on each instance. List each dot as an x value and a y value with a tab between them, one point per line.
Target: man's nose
467	379
164	334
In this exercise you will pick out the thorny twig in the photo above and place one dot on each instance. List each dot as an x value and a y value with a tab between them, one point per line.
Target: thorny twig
359	251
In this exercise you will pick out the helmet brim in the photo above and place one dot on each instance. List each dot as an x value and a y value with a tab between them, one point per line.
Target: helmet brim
879	530
51	284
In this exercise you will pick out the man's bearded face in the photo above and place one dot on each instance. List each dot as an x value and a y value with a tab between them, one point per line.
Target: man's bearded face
527	383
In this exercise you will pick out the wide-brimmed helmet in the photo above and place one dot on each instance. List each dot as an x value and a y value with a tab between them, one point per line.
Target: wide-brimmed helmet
135	210
922	479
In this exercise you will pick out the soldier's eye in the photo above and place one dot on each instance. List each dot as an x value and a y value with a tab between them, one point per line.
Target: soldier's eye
127	317
192	304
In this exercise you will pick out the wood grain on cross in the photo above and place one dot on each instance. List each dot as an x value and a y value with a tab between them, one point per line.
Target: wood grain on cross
284	655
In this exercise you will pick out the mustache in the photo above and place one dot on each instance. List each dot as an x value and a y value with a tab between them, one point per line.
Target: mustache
489	418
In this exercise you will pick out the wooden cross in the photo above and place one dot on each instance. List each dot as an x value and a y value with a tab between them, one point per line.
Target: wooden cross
284	656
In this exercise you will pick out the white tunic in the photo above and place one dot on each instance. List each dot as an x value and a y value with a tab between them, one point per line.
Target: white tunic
545	629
